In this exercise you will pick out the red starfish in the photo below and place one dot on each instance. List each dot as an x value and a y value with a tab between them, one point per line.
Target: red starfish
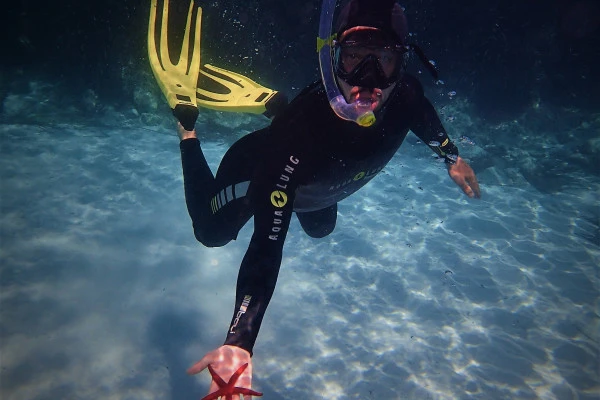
228	389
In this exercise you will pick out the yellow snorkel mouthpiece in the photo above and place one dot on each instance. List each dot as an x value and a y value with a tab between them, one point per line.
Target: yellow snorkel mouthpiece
366	119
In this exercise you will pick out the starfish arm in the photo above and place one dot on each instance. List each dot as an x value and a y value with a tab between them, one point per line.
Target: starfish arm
228	389
218	380
247	392
236	375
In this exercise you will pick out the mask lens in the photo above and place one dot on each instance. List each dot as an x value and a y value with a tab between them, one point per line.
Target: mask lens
352	56
368	57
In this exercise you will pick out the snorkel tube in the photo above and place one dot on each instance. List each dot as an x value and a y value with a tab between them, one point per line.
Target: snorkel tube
357	112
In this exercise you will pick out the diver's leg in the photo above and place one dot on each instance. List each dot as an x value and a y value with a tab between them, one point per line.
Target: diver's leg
218	206
318	224
214	224
199	186
230	205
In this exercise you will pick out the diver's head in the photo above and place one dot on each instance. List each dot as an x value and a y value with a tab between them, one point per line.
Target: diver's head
371	48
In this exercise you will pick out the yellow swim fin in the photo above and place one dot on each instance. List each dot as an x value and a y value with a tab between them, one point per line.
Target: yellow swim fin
186	85
176	80
224	90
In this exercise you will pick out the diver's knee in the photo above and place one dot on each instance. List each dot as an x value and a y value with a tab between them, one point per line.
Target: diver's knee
210	239
319	232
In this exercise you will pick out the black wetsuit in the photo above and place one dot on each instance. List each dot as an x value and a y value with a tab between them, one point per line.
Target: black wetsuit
306	161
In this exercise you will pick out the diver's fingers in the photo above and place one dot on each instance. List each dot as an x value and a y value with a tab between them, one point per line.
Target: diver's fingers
466	188
460	180
472	181
462	174
200	365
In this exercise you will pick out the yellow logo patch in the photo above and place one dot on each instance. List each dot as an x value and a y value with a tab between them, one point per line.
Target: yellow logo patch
359	176
278	198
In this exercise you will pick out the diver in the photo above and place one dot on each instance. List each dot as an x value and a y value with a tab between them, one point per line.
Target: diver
307	160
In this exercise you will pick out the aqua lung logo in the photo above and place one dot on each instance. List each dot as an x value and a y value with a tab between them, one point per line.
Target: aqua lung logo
288	171
240	313
279	198
358	177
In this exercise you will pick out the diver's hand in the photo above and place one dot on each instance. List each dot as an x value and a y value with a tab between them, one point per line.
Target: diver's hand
462	174
186	115
185	134
225	361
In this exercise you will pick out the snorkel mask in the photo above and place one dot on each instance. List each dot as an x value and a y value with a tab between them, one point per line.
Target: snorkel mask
368	57
370	53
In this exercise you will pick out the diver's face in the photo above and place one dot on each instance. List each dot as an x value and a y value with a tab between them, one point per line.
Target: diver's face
368	65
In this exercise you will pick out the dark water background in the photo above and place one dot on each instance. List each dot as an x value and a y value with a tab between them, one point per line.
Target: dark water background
502	54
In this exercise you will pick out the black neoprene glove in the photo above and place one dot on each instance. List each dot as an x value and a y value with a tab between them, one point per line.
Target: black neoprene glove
187	115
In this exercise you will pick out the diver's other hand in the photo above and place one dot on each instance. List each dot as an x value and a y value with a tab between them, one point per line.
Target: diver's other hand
462	174
225	361
186	115
185	134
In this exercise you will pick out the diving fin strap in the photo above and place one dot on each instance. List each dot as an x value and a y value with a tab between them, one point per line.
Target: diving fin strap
177	81
224	90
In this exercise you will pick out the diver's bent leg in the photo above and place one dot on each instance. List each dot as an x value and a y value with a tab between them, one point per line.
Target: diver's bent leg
200	188
318	224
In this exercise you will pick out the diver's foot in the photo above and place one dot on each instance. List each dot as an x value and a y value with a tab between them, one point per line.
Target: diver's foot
184	134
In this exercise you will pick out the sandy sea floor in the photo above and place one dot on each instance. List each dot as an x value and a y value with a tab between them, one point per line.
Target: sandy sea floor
420	293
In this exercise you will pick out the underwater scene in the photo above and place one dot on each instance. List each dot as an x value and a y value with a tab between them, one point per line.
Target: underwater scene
420	292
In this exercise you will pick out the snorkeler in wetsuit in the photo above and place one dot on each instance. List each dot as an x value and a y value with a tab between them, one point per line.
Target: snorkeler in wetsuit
308	160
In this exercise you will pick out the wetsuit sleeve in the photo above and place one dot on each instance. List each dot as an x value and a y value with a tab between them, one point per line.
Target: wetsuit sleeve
428	127
272	196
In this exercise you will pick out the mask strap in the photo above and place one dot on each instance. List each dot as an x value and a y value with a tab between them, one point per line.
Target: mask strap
426	61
